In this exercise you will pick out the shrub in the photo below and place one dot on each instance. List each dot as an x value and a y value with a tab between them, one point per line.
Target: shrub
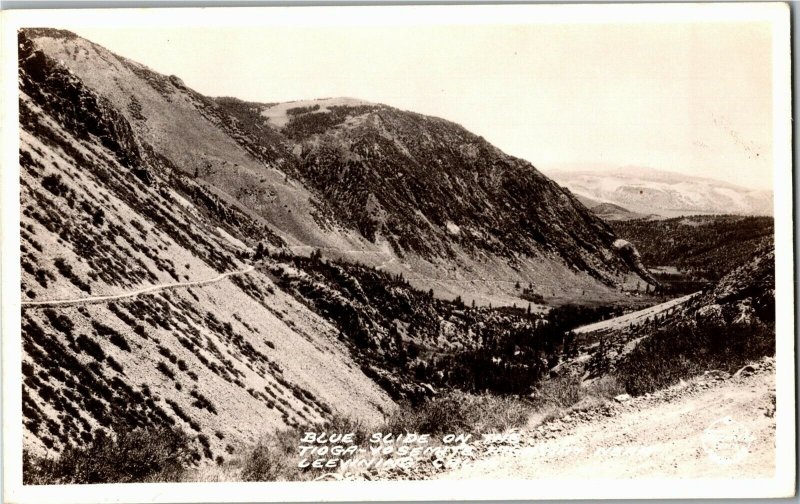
90	347
98	218
274	458
113	364
179	411
54	184
162	366
66	271
59	322
120	341
672	353
130	455
460	412
202	402
563	391
605	387
342	425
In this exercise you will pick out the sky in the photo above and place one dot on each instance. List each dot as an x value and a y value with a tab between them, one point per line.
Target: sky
691	98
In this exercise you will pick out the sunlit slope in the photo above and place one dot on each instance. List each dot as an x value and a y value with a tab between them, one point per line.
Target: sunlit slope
103	214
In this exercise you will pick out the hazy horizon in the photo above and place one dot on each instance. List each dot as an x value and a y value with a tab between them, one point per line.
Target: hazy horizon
689	98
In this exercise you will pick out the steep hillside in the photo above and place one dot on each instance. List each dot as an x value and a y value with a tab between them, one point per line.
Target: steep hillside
104	214
190	132
365	182
434	191
721	328
648	191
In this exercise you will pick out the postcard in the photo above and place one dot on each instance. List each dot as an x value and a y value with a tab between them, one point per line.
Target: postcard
397	253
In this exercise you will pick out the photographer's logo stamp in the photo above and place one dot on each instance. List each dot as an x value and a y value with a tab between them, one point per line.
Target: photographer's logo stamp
727	441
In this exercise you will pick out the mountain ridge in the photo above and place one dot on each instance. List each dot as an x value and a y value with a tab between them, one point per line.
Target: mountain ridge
669	194
306	200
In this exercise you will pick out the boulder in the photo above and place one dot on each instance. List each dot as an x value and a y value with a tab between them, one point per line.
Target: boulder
744	371
716	374
622	398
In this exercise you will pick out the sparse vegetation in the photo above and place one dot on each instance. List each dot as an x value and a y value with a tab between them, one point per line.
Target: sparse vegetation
687	349
460	412
66	271
113	336
90	347
127	456
274	458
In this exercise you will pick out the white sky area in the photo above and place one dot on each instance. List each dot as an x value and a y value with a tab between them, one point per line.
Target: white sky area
690	98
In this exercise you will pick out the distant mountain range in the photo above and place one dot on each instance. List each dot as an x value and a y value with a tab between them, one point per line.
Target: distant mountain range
647	191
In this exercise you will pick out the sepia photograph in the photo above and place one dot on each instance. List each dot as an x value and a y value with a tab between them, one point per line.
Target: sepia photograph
326	248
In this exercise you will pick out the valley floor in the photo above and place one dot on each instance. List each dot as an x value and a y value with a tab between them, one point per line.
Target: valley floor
708	428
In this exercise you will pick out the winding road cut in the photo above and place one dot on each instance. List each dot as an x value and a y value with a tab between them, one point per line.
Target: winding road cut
139	292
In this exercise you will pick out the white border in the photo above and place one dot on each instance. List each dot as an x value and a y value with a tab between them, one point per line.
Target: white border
782	485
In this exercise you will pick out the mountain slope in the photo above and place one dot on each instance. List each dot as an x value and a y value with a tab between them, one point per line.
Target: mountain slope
707	246
407	193
649	191
103	214
441	197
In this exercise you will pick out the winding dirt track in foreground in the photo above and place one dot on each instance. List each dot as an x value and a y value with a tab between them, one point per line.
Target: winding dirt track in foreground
704	430
145	290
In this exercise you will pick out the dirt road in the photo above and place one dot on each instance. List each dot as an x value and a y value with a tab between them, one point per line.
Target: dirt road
706	429
139	292
633	317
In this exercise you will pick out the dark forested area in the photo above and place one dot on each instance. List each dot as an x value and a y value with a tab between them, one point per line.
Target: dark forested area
705	247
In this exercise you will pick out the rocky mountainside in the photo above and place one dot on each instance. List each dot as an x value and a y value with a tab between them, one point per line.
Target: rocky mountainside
105	214
648	191
408	193
161	236
449	206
